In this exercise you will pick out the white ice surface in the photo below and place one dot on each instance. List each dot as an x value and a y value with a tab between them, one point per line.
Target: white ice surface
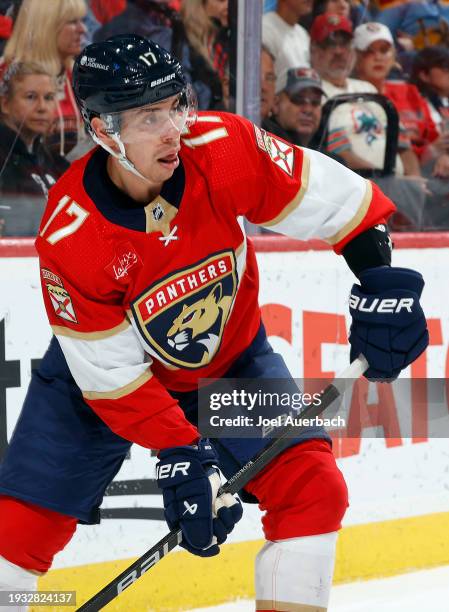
413	592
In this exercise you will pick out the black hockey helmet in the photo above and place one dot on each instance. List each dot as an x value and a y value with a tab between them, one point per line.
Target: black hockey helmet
124	72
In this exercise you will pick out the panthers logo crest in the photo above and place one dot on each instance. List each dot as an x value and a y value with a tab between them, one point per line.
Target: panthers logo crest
183	317
199	321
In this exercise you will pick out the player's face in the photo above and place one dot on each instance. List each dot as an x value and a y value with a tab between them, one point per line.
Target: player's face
152	137
143	123
375	63
30	107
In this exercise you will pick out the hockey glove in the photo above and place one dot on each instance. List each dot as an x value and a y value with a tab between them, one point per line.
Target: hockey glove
189	480
388	324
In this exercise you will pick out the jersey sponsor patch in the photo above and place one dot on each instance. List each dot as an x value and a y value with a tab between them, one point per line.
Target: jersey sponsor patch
183	316
125	258
59	297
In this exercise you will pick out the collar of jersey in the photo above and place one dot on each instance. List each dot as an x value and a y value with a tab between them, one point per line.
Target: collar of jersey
116	205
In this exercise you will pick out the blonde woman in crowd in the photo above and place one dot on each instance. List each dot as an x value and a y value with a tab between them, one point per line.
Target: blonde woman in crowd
27	167
51	33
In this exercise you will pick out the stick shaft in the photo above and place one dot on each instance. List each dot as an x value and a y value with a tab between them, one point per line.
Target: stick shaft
233	485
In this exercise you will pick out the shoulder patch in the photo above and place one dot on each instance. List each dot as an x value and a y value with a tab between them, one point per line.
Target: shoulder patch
281	153
59	297
260	138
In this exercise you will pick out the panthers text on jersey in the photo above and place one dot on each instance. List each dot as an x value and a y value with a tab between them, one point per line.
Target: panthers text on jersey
145	299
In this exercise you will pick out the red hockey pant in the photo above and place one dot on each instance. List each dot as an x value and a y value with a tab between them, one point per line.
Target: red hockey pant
302	493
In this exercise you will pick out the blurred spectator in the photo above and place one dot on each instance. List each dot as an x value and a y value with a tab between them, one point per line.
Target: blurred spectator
158	21
269	5
207	29
27	167
152	19
5	30
267	84
430	74
217	10
332	55
361	11
7	8
355	11
355	130
337	7
415	24
287	41
358	130
376	57
297	110
51	34
105	10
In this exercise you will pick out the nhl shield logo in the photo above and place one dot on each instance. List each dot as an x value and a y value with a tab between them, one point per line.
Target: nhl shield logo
182	317
157	212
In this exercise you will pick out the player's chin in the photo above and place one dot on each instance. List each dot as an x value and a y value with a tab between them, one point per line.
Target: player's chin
166	166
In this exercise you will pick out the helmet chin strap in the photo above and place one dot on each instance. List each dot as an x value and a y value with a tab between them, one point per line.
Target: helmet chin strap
121	156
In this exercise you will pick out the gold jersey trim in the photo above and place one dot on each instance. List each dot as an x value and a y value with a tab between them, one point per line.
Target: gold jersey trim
60	330
291	206
240	248
121	391
356	219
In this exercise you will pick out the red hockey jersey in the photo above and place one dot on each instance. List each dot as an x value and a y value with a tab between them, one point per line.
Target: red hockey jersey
149	298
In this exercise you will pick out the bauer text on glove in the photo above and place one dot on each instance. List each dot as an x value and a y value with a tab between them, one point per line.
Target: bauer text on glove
189	479
388	324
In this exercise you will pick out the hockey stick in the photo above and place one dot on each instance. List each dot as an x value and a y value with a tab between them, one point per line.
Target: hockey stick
233	485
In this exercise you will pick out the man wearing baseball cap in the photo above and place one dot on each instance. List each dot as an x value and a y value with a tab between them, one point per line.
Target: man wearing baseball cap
332	55
297	111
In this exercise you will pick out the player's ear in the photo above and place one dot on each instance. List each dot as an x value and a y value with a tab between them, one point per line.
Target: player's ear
99	127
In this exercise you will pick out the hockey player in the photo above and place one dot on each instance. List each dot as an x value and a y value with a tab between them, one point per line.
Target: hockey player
149	284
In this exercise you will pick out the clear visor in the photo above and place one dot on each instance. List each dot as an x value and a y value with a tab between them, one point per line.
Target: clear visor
144	122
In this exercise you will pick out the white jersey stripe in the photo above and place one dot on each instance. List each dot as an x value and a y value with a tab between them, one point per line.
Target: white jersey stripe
60	330
118	393
357	219
106	365
333	202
